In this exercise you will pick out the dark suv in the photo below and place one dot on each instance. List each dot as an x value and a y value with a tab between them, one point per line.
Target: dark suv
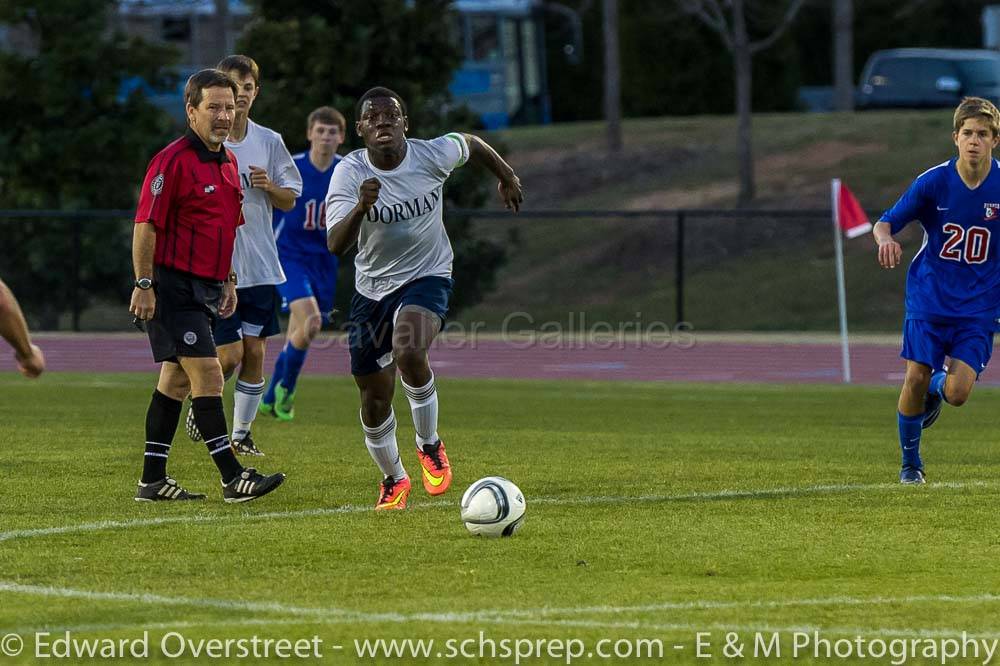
914	78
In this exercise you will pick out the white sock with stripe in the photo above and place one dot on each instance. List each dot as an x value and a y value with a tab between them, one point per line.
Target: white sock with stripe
246	400
381	443
424	407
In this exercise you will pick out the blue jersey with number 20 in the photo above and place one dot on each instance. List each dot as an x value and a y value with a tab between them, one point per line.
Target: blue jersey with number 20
956	273
302	230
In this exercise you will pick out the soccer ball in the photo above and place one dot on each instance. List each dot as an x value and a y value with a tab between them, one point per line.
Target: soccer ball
493	507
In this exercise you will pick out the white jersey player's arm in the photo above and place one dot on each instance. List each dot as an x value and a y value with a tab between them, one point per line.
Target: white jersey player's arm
347	203
509	184
286	185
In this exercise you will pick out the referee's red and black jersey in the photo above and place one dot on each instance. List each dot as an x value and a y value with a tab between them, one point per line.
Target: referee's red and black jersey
192	197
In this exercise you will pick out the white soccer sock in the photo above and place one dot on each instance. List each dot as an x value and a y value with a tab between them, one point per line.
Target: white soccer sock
381	443
246	399
424	407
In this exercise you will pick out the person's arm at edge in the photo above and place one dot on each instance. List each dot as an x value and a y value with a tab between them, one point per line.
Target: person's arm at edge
14	329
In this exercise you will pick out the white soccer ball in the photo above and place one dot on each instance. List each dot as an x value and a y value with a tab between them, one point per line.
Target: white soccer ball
493	507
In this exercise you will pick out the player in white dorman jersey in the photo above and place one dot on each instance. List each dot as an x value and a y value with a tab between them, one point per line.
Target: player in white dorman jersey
387	198
269	179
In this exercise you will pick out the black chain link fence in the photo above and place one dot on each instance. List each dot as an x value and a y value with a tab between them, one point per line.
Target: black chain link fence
761	270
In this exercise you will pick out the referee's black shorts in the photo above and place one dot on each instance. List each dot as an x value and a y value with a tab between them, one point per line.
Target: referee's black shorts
186	308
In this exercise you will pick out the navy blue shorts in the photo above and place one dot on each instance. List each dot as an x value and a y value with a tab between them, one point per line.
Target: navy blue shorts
309	276
929	342
371	322
256	315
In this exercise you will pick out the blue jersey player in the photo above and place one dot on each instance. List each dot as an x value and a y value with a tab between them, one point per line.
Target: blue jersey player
310	269
953	283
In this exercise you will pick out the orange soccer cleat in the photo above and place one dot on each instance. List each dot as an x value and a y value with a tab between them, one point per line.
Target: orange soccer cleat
435	468
392	494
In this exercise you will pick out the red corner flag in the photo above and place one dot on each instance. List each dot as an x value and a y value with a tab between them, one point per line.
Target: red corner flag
849	214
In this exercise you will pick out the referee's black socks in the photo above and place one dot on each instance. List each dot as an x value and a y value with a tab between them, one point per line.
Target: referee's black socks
211	421
161	423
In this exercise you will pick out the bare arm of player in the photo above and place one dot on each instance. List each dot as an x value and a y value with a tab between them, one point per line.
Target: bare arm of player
281	198
889	251
344	234
14	329
509	185
143	303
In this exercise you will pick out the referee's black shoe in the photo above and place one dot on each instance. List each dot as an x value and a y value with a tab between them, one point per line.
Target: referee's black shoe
250	485
160	491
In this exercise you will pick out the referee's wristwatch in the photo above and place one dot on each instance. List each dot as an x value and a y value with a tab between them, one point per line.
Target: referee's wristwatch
144	283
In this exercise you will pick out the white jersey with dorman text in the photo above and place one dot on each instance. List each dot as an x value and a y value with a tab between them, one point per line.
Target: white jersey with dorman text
255	258
402	238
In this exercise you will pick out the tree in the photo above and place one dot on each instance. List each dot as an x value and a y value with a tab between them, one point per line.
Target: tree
73	138
728	18
612	77
313	54
843	55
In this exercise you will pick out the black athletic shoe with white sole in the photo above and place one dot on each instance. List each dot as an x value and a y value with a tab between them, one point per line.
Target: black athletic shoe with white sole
250	485
165	490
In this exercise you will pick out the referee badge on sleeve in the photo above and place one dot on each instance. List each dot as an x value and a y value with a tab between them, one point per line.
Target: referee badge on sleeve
157	185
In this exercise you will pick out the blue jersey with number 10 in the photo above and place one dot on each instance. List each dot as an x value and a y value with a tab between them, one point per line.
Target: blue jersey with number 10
302	230
956	273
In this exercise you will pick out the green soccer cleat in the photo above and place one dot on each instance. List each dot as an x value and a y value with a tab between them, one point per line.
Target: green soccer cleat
284	403
266	408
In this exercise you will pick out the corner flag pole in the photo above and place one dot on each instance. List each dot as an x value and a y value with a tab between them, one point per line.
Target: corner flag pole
838	242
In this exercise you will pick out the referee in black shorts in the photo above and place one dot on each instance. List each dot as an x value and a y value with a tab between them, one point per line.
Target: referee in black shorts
182	248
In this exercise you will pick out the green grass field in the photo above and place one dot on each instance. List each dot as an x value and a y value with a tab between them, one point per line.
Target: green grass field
654	511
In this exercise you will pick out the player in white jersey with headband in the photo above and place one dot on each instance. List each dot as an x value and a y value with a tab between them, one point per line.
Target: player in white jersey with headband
387	198
270	180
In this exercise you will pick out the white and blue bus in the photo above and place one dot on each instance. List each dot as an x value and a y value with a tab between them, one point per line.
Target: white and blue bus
502	77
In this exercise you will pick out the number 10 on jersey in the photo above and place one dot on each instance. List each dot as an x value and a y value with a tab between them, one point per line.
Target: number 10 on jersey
315	217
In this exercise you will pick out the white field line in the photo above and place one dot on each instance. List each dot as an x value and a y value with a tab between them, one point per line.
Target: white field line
308	614
720	495
697	605
485	618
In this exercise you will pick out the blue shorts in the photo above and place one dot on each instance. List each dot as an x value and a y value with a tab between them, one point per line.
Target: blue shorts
929	342
309	276
371	322
256	314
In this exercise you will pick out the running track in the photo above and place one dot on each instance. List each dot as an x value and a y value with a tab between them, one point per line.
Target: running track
705	361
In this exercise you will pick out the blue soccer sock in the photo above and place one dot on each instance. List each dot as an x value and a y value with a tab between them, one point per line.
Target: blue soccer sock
910	428
937	384
294	358
279	372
